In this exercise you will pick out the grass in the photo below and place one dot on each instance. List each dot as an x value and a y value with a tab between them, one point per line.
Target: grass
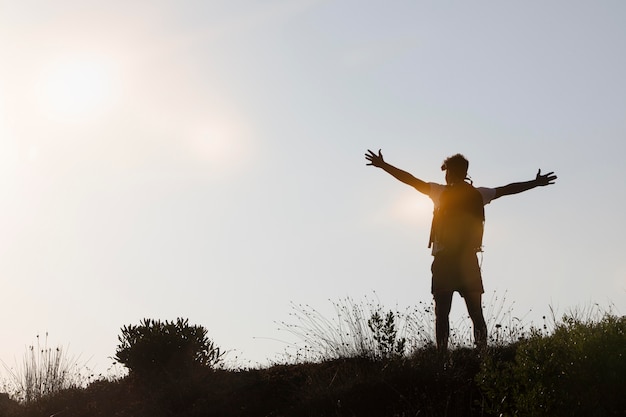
44	371
350	333
345	367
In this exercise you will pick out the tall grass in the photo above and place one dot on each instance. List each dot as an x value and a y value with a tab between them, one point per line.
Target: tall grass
44	371
326	338
349	333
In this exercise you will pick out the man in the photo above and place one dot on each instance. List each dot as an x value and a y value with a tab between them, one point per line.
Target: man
456	236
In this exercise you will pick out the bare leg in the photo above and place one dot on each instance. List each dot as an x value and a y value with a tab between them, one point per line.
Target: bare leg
475	310
443	303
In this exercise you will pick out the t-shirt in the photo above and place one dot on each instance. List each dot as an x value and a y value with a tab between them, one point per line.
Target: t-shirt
488	194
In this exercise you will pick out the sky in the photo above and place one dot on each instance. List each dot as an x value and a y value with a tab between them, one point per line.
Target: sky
205	160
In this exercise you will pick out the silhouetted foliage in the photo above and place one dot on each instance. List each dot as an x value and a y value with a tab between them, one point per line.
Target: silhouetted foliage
44	371
575	370
578	370
166	349
359	330
385	334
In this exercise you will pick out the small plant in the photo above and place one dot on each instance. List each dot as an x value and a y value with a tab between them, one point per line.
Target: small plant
385	334
172	349
44	371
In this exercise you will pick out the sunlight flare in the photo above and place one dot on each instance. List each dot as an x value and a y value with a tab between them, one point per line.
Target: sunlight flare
411	208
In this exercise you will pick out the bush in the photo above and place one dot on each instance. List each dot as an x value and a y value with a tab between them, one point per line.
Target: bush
576	371
166	349
385	333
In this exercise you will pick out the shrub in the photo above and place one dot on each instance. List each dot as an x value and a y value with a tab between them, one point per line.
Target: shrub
166	349
578	370
385	335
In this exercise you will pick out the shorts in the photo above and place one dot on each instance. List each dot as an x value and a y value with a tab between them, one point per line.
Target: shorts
456	272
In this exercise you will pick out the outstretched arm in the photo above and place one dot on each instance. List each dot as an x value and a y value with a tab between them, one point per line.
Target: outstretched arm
518	187
378	161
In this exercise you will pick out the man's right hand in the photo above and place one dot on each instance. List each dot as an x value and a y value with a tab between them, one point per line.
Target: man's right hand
375	160
403	176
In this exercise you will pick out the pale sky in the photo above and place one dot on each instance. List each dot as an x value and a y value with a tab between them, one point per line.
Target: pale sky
205	159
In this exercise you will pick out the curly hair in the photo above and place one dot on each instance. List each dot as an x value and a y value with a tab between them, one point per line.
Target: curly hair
457	165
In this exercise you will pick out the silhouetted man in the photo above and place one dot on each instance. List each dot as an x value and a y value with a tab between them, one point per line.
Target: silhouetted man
456	236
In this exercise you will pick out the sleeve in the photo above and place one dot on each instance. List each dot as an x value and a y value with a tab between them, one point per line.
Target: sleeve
435	192
487	193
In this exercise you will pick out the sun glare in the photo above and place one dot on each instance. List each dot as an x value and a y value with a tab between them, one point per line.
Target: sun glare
412	207
76	90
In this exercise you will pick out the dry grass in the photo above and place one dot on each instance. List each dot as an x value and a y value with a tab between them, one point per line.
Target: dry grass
44	371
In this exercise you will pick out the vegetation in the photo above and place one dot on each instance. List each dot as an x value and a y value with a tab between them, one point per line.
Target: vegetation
168	350
359	330
579	370
44	371
576	368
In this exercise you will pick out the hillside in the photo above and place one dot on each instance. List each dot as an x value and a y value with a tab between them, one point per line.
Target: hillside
577	370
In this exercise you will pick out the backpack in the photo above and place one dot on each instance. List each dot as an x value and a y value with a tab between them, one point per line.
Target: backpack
458	221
